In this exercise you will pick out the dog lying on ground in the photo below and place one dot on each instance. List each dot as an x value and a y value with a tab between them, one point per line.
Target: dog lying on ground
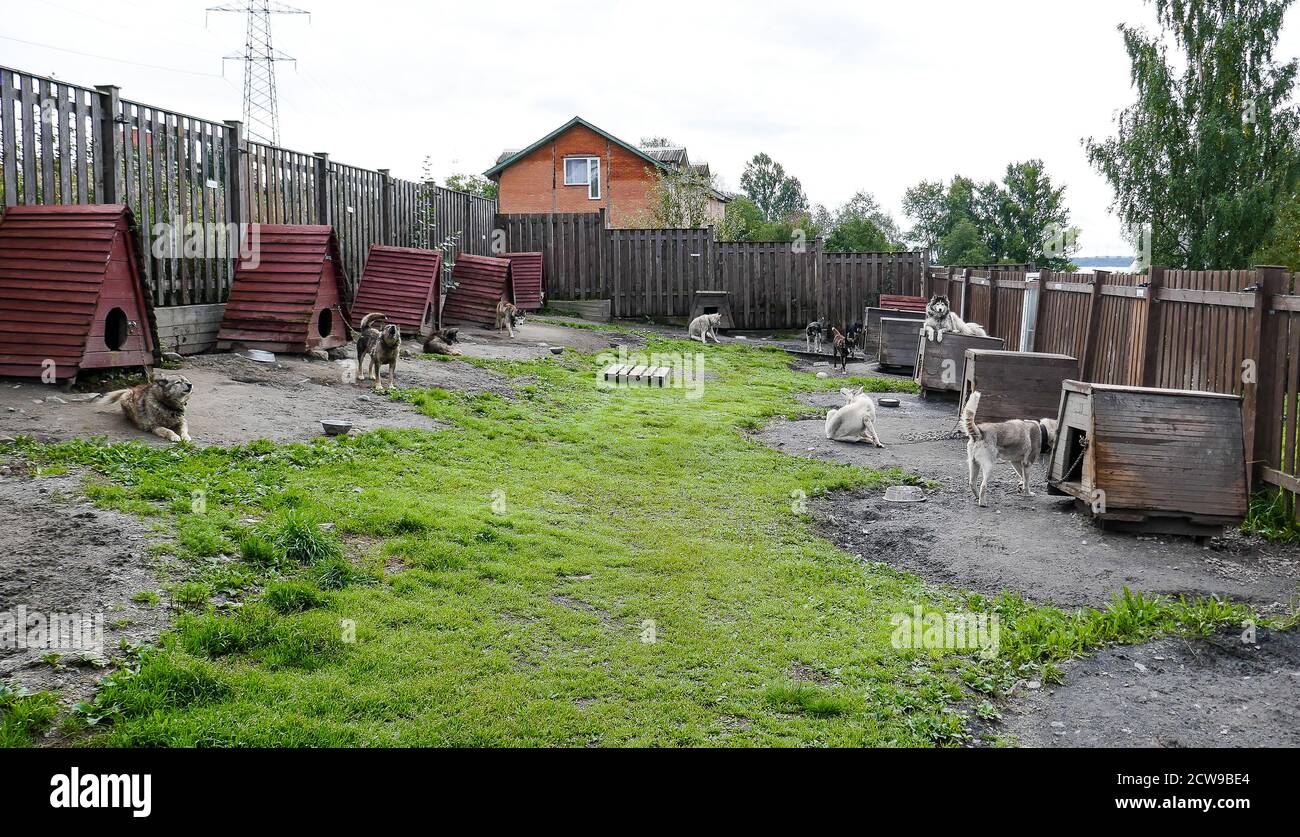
814	333
508	316
940	318
1022	442
839	350
705	326
855	421
439	343
157	407
379	346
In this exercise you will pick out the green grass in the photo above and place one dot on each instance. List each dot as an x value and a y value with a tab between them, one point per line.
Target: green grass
1272	516
23	717
532	547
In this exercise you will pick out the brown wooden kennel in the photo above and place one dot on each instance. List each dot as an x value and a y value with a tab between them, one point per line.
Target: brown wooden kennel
1164	460
872	320
898	342
940	365
1016	385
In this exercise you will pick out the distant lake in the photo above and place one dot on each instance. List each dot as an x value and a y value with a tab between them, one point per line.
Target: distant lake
1117	262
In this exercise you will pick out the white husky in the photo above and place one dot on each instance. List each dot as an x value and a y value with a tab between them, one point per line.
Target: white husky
940	318
855	421
705	326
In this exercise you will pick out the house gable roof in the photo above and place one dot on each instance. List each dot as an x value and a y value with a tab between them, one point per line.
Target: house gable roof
507	160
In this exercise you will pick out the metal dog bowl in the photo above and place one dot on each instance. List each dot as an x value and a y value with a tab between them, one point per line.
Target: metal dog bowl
557	350
887	402
333	427
904	494
260	356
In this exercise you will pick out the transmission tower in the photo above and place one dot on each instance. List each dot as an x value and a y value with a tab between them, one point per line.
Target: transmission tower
261	107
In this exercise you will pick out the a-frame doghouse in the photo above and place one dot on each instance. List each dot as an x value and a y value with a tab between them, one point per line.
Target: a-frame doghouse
527	279
290	295
404	284
481	283
72	292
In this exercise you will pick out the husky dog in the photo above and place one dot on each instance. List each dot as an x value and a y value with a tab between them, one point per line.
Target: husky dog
1018	441
379	347
157	407
508	316
705	326
940	318
857	336
439	343
814	333
855	421
839	349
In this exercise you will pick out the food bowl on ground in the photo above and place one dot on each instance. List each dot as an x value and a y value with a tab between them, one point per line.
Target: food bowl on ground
904	494
334	427
887	402
260	356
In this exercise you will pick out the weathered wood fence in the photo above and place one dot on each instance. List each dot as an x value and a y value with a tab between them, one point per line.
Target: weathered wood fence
1229	331
190	180
655	272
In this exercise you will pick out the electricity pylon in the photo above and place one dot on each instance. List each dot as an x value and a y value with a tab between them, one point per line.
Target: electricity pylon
261	107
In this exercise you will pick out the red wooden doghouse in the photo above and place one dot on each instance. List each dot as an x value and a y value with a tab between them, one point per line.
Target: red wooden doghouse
290	295
402	283
72	293
481	283
526	276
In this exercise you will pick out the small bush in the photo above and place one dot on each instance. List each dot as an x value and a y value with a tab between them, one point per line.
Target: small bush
300	539
191	595
258	551
24	716
292	596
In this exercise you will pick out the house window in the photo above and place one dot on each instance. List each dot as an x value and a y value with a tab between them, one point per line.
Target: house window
583	171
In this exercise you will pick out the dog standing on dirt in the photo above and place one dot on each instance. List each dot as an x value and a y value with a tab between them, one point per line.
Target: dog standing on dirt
157	407
940	318
814	333
1022	442
855	421
508	316
380	347
857	336
839	350
703	327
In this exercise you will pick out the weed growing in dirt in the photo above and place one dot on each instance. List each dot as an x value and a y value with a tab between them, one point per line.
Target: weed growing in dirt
1271	516
24	716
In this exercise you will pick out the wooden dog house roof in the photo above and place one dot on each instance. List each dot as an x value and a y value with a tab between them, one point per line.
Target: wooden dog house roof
526	276
72	291
481	283
290	295
401	283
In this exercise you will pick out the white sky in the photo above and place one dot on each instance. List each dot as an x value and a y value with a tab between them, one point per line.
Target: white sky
847	95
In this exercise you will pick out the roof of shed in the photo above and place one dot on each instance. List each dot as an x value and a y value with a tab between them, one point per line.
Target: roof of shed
396	282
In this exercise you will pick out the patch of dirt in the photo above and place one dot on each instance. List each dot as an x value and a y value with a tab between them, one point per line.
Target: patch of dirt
61	555
1215	692
237	400
1040	546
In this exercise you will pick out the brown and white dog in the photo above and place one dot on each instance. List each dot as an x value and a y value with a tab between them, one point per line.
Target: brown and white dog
839	350
157	407
1022	442
508	316
379	346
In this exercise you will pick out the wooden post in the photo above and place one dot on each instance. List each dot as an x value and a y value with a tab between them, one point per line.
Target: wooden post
993	306
386	234
1088	362
1260	412
237	184
965	291
1154	313
1044	276
107	159
322	188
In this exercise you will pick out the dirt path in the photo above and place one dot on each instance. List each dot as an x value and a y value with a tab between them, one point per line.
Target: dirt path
1215	692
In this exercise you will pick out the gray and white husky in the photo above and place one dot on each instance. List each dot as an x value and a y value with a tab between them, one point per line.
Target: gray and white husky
1022	442
705	326
940	318
855	421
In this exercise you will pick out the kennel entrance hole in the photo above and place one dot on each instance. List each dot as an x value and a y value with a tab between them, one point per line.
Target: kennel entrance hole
1076	442
116	329
325	322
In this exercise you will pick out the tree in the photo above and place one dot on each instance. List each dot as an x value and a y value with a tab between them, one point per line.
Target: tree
863	205
1208	150
777	195
1282	247
473	183
963	245
657	142
1031	220
858	235
740	221
681	199
926	204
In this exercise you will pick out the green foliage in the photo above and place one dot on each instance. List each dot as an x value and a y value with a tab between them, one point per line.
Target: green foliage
292	596
963	245
300	539
777	195
858	235
1272	515
474	184
681	199
1282	247
1210	148
24	715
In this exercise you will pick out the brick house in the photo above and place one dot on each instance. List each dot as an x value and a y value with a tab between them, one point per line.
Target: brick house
580	168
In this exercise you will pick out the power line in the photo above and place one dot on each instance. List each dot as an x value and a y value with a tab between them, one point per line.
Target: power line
261	105
108	58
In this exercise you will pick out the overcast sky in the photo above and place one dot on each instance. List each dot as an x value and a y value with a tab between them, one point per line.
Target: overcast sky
847	95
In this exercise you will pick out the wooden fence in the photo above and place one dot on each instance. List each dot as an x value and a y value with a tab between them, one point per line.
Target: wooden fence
190	181
655	272
1228	331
